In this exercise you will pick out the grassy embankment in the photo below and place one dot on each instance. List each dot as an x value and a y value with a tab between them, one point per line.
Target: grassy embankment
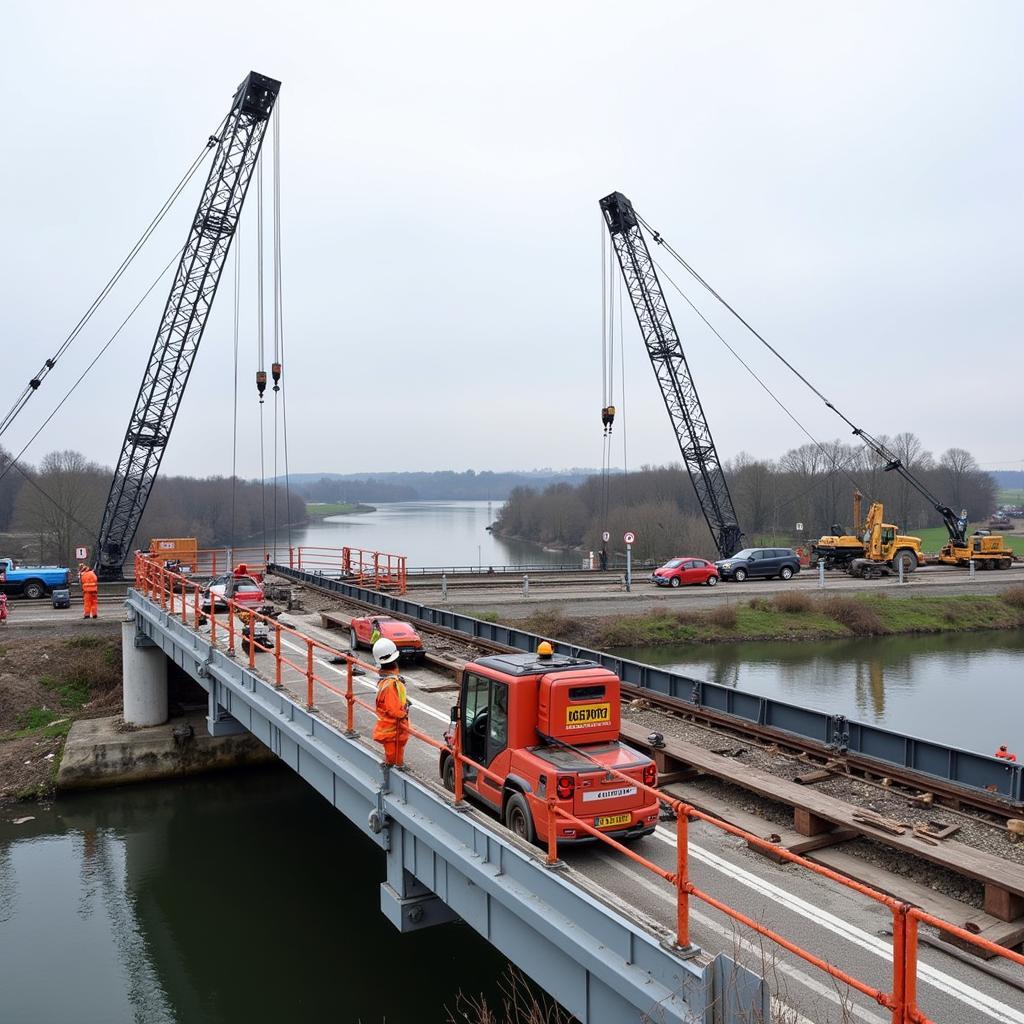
323	509
1011	496
789	617
47	684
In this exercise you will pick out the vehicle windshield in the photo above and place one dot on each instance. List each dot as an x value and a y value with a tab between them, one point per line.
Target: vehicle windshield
745	553
674	564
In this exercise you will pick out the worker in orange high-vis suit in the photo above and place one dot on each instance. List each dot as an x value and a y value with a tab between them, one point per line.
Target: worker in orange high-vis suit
90	592
392	728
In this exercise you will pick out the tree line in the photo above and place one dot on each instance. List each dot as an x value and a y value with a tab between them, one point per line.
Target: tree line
49	509
812	485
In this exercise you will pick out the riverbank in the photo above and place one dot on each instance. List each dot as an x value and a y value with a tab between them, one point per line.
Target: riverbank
323	509
787	616
49	682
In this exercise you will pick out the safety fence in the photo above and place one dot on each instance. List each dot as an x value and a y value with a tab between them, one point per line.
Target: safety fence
235	626
375	569
832	732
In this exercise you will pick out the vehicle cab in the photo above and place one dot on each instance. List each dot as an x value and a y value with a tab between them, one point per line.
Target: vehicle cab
542	724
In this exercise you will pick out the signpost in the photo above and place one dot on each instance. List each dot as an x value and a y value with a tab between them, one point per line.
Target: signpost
629	536
81	554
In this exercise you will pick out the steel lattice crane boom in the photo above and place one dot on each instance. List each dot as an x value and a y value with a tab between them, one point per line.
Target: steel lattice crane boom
184	318
669	361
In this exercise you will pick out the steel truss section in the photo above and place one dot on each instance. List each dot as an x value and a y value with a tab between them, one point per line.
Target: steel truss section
184	318
670	367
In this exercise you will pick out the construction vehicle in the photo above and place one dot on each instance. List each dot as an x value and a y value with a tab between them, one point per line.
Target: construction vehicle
184	318
670	367
876	550
547	722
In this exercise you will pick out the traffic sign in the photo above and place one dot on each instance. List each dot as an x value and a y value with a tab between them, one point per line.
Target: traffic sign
629	536
81	554
606	536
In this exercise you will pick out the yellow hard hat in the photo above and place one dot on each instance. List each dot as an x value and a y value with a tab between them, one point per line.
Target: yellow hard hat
544	649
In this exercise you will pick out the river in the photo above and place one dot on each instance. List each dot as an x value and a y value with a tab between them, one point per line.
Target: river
428	533
966	689
233	898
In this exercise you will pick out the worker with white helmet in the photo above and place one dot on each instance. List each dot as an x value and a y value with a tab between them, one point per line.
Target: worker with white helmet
392	728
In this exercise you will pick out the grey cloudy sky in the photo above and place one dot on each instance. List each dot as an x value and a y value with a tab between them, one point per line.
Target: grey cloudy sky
849	175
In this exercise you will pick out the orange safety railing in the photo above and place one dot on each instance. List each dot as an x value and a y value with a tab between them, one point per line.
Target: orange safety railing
377	570
182	596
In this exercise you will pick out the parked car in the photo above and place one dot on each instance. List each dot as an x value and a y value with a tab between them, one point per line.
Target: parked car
406	639
679	571
766	563
243	590
32	581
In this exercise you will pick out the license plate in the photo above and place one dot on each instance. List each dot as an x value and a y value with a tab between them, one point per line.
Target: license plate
610	820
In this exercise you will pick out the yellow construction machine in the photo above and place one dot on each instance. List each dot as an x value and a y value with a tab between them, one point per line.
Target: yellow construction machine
876	550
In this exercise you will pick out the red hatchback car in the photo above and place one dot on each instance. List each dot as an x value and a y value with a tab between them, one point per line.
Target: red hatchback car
679	571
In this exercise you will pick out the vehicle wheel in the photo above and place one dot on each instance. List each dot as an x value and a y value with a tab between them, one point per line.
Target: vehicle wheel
34	590
909	560
712	581
674	582
518	818
739	575
352	640
786	573
1005	563
448	774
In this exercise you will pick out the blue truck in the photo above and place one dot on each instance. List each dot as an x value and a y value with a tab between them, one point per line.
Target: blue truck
32	581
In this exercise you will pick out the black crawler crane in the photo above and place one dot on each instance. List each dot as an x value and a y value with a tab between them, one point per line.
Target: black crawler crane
669	362
184	318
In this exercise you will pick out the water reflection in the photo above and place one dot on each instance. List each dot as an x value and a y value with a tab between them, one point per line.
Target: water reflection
230	899
429	533
965	689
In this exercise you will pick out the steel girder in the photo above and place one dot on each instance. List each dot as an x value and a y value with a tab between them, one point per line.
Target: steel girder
184	318
670	367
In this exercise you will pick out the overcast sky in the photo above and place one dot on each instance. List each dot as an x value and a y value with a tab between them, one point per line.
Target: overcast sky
848	175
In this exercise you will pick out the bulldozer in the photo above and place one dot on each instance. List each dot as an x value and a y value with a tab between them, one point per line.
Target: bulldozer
877	551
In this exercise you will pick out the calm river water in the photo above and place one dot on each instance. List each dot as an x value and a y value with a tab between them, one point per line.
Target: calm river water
231	899
966	689
428	533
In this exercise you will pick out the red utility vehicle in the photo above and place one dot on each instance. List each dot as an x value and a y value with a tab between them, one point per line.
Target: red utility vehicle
243	590
406	639
541	722
679	571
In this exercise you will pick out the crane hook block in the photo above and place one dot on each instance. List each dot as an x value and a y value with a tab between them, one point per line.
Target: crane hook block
261	382
608	418
275	372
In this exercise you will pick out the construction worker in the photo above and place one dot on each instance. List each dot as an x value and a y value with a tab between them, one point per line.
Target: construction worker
90	592
375	635
241	570
1004	754
3	609
392	728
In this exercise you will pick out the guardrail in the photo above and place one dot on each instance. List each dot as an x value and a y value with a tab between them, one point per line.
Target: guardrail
172	592
833	732
376	569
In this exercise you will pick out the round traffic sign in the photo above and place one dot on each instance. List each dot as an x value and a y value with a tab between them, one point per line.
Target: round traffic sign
606	536
629	536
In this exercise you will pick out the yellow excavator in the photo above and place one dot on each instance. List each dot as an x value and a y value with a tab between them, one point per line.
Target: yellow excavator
876	551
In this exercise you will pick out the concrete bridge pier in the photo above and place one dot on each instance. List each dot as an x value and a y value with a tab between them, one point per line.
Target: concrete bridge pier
144	672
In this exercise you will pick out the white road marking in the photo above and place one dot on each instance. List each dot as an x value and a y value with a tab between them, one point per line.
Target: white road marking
938	979
812	983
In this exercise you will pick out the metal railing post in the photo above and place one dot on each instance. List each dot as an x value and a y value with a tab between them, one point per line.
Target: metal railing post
682	877
444	586
350	699
231	629
526	586
821	575
252	640
184	601
460	792
552	829
910	1012
899	964
195	607
277	655
309	675
213	620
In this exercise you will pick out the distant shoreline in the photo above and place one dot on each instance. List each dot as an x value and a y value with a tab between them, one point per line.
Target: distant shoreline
324	509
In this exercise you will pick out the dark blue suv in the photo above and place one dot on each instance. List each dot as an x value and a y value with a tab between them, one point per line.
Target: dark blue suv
763	562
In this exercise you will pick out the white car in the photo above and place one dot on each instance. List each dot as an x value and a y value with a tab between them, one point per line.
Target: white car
243	590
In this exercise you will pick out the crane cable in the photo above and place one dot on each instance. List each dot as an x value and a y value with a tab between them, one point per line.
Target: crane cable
33	385
234	410
279	370
275	367
261	373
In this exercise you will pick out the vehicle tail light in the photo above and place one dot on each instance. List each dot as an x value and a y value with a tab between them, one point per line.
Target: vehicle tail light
650	775
565	787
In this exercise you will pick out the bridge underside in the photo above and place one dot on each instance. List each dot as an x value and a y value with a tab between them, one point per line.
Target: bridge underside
601	962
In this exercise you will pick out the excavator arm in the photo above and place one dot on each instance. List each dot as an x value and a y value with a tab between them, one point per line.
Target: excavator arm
670	367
